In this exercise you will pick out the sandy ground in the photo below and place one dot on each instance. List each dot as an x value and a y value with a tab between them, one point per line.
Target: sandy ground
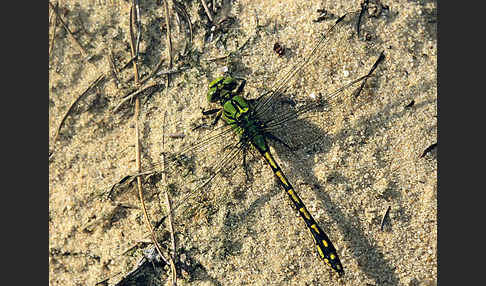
353	161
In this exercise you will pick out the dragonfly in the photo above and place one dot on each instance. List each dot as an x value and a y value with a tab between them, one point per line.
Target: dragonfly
250	124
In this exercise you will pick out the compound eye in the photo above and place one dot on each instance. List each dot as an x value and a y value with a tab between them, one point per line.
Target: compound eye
220	88
216	82
229	83
213	94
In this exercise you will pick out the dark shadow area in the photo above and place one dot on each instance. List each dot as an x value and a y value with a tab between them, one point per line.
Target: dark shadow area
313	140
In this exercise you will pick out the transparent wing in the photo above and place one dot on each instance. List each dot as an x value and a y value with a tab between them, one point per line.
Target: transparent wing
337	55
328	101
189	184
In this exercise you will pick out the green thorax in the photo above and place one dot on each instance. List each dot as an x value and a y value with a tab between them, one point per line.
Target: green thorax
237	111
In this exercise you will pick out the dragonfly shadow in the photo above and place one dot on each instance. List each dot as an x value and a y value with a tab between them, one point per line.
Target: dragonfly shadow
373	262
298	164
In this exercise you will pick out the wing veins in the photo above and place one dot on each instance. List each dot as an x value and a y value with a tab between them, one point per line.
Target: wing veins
236	149
284	82
272	123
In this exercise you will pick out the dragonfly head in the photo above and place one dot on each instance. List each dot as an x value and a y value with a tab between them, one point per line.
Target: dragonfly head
221	89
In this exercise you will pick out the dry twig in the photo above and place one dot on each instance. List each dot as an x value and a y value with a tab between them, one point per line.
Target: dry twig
71	36
90	87
99	79
113	68
169	40
154	71
51	45
180	9
134	94
206	9
137	143
169	210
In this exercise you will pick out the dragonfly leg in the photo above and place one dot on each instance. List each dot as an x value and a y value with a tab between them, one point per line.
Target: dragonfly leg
211	111
218	116
241	86
218	112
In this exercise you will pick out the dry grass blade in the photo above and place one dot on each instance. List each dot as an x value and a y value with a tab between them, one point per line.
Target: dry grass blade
169	40
54	29
127	64
206	9
238	50
180	9
154	71
51	14
132	44
113	68
133	20
169	210
90	87
169	54
83	51
134	94
139	25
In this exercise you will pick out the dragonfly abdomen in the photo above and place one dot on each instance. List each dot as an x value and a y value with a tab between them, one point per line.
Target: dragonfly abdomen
325	248
236	111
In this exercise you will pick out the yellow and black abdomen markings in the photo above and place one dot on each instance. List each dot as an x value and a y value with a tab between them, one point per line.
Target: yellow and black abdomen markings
324	246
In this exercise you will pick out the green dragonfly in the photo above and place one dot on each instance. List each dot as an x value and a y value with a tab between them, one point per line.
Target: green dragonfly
252	121
242	115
